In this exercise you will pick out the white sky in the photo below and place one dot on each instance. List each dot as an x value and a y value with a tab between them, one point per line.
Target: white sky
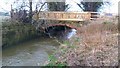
113	8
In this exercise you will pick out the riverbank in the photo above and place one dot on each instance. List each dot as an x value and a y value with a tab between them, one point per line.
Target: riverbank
96	44
14	32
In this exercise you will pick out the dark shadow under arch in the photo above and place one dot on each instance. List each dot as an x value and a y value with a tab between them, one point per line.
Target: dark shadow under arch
57	30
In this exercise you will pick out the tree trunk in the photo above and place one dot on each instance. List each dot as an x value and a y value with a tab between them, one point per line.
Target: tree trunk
30	11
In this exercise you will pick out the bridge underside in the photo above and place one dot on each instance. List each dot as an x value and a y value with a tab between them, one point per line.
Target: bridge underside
58	30
62	25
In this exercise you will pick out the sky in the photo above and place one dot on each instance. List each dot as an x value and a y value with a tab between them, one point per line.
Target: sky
5	5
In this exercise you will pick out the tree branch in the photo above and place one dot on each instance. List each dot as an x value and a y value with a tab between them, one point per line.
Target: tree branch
42	6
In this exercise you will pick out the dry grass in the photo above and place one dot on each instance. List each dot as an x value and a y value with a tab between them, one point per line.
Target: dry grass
96	45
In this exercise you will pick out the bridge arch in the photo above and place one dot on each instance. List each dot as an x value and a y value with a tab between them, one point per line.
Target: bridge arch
58	29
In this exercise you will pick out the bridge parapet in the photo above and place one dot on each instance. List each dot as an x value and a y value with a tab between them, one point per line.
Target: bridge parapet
71	16
46	19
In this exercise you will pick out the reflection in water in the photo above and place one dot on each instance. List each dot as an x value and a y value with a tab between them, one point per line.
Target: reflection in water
33	53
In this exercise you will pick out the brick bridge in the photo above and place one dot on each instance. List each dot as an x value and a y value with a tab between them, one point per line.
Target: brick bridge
59	18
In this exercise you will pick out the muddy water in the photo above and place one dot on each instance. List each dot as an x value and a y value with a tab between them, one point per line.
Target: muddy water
32	53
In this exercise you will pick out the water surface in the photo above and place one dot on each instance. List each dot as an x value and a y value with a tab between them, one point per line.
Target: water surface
34	52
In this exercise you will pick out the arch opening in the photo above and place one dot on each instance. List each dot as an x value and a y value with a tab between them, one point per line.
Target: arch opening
60	31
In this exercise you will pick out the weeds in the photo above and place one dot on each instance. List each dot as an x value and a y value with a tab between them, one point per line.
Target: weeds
63	49
107	22
54	62
16	32
95	45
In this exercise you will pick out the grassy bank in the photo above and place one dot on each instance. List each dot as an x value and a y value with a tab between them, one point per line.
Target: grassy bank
14	32
96	44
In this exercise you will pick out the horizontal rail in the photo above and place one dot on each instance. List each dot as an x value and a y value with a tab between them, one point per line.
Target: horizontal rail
62	19
71	16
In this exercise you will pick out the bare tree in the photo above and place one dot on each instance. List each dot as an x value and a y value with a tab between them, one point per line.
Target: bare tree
57	6
91	6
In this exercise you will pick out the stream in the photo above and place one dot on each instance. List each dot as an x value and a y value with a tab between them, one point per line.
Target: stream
32	53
